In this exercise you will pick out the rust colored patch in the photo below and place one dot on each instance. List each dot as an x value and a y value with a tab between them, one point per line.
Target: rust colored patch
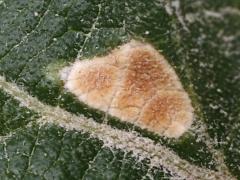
163	111
136	84
93	84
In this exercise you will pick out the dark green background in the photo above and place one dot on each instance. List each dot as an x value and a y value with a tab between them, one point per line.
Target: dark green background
38	38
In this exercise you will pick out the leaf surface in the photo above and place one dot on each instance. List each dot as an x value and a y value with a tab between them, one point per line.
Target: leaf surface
46	133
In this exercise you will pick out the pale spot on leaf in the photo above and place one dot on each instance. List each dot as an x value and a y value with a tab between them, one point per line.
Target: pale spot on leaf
136	84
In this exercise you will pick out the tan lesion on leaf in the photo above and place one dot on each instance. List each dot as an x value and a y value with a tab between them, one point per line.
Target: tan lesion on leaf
92	83
166	110
136	84
146	74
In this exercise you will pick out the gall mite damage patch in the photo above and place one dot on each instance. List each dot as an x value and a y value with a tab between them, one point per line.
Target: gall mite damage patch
136	84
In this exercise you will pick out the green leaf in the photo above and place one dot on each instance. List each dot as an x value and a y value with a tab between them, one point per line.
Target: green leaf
46	133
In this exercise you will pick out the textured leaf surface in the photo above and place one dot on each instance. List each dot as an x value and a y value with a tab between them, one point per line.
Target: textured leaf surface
39	139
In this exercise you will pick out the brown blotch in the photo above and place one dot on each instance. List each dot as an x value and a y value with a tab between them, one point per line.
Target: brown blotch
136	84
166	108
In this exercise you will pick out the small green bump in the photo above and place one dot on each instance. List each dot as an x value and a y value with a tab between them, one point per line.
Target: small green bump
53	69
